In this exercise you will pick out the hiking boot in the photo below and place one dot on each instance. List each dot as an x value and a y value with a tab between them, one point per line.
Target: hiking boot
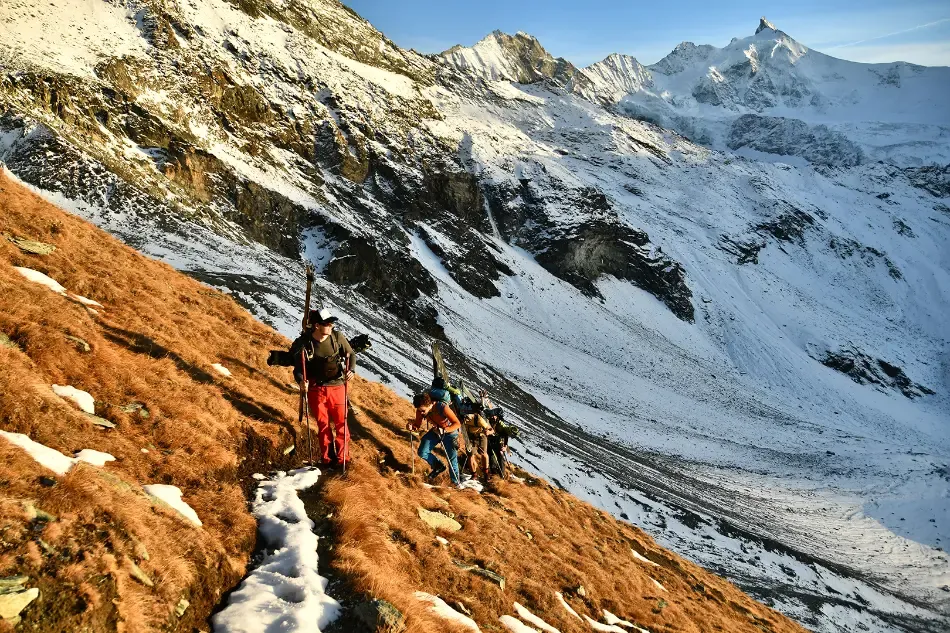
436	471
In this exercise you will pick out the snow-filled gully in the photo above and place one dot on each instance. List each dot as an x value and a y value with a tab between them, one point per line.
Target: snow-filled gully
284	592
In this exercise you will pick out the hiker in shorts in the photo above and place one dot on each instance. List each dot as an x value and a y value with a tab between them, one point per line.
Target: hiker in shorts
330	363
444	430
478	429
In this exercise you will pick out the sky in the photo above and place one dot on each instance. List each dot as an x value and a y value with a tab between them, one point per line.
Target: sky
874	31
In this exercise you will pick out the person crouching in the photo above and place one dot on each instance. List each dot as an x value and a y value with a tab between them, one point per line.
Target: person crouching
444	430
330	363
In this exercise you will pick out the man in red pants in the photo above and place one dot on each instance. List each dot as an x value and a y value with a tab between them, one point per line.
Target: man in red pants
329	362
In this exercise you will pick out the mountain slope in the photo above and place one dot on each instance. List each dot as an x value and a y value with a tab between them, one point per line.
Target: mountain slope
108	555
684	332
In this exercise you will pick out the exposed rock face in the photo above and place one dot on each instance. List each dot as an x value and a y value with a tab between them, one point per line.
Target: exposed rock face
847	248
791	137
866	370
789	224
595	244
765	24
932	178
519	57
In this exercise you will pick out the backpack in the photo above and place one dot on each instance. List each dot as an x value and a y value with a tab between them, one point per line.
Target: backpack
437	415
326	368
441	395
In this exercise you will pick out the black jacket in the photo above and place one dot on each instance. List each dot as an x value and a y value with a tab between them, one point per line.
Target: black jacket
327	361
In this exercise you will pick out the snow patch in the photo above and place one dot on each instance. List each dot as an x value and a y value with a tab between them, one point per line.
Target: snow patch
285	592
527	616
640	557
83	399
96	458
172	496
53	459
444	611
560	598
85	301
604	628
66	35
46	456
514	625
221	369
610	618
38	277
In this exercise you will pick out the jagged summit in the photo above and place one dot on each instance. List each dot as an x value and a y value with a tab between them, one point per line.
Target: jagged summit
765	24
610	79
519	57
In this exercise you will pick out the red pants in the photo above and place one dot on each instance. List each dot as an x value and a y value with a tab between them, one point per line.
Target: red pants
328	405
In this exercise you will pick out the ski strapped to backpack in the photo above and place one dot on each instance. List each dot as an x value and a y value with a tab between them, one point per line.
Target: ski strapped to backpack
304	397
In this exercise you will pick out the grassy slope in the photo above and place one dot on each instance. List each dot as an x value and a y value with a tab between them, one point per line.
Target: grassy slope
154	342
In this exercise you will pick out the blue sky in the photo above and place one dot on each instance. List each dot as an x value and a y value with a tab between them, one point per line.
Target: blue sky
586	31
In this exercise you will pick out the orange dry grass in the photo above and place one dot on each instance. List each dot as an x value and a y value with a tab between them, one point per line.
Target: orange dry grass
153	342
541	539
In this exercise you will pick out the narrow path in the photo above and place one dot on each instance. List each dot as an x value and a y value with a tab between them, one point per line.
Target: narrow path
285	592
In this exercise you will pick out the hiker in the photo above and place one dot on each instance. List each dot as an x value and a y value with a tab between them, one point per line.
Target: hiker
330	363
444	430
477	429
498	441
484	401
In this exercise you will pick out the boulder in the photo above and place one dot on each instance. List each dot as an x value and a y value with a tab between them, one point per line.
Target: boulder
438	521
30	246
381	616
489	575
11	604
80	344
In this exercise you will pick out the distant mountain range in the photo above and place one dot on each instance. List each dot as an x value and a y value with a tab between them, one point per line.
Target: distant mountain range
766	93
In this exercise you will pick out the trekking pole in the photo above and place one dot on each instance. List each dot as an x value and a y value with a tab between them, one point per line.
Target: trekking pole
458	480
346	415
412	454
305	402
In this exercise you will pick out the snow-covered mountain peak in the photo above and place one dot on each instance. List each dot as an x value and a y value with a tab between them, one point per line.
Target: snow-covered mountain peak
610	79
685	54
503	57
765	25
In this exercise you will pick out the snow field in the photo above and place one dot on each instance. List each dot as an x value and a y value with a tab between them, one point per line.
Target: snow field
284	592
69	36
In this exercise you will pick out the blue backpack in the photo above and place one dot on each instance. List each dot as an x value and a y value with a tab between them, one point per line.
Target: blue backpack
441	395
